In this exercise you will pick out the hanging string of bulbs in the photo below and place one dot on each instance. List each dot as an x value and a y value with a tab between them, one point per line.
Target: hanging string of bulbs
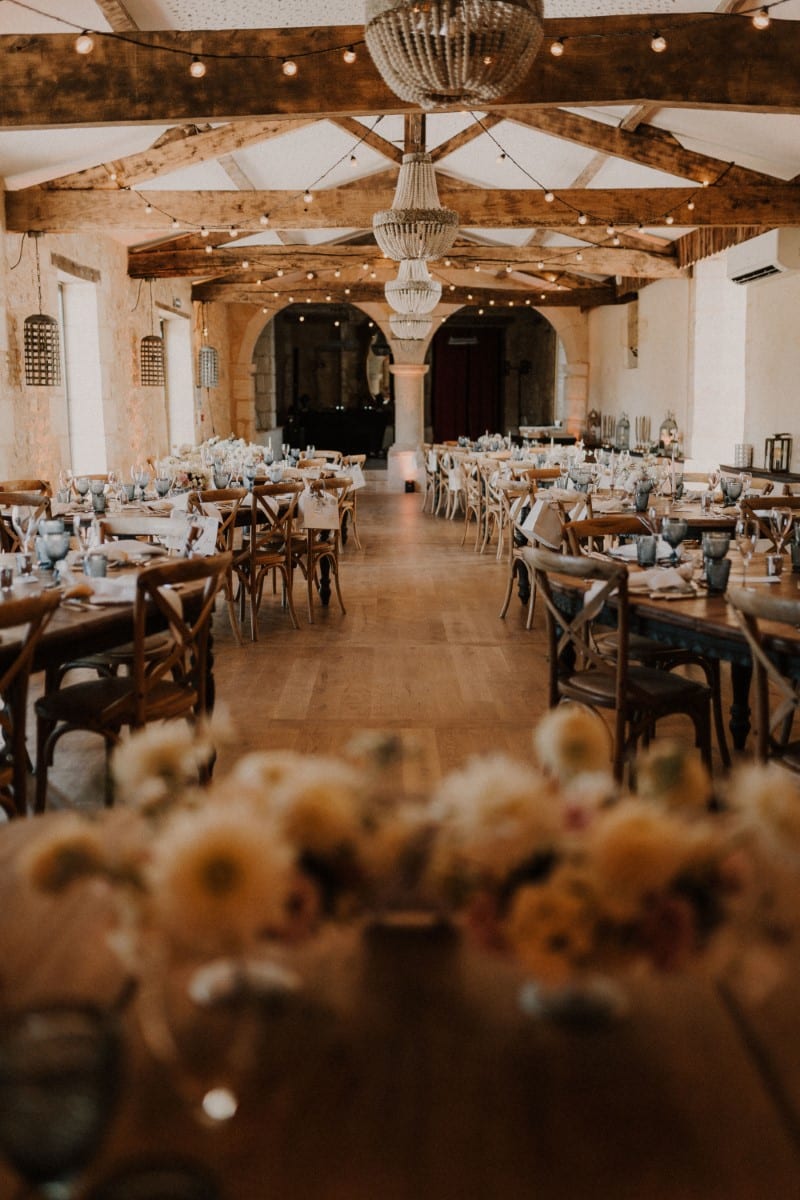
760	17
307	194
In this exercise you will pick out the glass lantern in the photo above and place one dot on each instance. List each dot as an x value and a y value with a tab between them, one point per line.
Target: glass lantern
622	441
668	432
778	452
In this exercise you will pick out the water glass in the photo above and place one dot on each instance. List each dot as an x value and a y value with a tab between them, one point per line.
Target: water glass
646	549
25	563
6	579
718	572
99	502
716	545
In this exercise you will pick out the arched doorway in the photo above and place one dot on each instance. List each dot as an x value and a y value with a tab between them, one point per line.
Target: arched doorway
321	377
492	371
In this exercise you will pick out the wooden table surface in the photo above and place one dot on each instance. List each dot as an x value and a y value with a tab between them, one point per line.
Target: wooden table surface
406	1070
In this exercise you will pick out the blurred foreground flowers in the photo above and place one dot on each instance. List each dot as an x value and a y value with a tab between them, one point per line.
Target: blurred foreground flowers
550	862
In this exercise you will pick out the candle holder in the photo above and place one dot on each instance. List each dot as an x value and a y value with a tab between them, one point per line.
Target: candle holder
778	452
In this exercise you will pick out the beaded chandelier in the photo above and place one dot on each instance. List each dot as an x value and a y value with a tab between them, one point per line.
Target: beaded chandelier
437	53
413	291
416	226
410	329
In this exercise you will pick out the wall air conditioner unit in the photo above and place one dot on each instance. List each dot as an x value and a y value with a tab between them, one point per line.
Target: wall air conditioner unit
772	253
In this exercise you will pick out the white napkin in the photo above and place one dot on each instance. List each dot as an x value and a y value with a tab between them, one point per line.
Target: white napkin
121	590
627	551
661	579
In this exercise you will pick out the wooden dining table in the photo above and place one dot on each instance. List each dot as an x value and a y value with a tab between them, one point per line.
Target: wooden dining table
406	1068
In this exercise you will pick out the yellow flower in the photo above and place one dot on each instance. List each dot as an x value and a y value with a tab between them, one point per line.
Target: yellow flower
70	849
767	798
261	771
491	816
319	806
674	775
571	740
218	877
638	850
551	926
156	764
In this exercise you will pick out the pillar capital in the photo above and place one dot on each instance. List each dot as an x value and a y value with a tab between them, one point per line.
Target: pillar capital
408	370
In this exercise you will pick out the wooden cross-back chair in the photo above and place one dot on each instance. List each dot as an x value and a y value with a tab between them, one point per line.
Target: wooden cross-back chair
226	504
317	550
638	696
348	503
38	486
595	533
38	501
776	692
267	548
32	615
758	508
171	687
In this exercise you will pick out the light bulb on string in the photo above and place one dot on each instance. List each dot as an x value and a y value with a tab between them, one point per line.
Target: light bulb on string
557	48
669	219
658	43
148	208
84	43
353	160
176	223
349	55
549	197
583	219
264	219
289	67
690	206
761	19
615	240
197	68
501	158
209	248
307	196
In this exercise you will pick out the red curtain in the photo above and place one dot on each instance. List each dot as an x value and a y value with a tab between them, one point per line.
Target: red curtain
466	388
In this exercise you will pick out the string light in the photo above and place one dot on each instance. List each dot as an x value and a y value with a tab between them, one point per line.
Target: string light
309	274
583	219
148	208
658	43
501	158
176	223
232	231
615	240
669	219
761	19
197	68
549	197
690	206
579	257
353	160
289	66
84	43
203	231
245	264
557	48
307	196
264	219
349	55
209	248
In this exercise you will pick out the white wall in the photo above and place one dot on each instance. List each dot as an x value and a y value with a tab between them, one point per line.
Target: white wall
724	358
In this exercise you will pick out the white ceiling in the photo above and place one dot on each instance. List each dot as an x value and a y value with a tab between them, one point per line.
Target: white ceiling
319	156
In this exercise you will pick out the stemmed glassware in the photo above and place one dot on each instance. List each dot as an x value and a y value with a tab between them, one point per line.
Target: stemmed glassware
746	534
81	484
140	475
86	535
781	521
59	1076
23	522
673	531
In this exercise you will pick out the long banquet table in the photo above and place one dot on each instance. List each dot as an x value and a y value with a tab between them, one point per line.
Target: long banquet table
406	1069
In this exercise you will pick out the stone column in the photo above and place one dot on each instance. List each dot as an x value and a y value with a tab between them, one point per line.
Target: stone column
576	397
403	458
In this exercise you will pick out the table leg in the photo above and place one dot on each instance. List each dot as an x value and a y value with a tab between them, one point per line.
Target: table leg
741	676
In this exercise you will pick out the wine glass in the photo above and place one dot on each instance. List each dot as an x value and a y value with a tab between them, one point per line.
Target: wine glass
81	484
781	521
86	534
673	531
746	534
23	521
59	1075
163	483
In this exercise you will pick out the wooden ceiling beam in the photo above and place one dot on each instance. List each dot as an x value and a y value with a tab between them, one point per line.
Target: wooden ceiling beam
495	300
72	211
647	146
611	260
186	148
470	134
608	61
370	137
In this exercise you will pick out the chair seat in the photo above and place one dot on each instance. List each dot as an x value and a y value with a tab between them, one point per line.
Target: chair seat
86	704
660	689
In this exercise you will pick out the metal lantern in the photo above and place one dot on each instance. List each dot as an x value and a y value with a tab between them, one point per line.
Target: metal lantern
446	52
207	367
151	354
778	452
41	341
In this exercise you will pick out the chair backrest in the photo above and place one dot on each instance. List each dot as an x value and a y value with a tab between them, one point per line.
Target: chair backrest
38	486
38	501
146	527
30	615
352	460
334	456
777	695
182	593
273	510
758	508
569	634
225	504
592	533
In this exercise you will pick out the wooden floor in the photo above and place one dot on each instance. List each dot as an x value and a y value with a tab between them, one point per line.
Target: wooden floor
421	651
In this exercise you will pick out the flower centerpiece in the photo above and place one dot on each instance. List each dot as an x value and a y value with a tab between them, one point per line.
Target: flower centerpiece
548	862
